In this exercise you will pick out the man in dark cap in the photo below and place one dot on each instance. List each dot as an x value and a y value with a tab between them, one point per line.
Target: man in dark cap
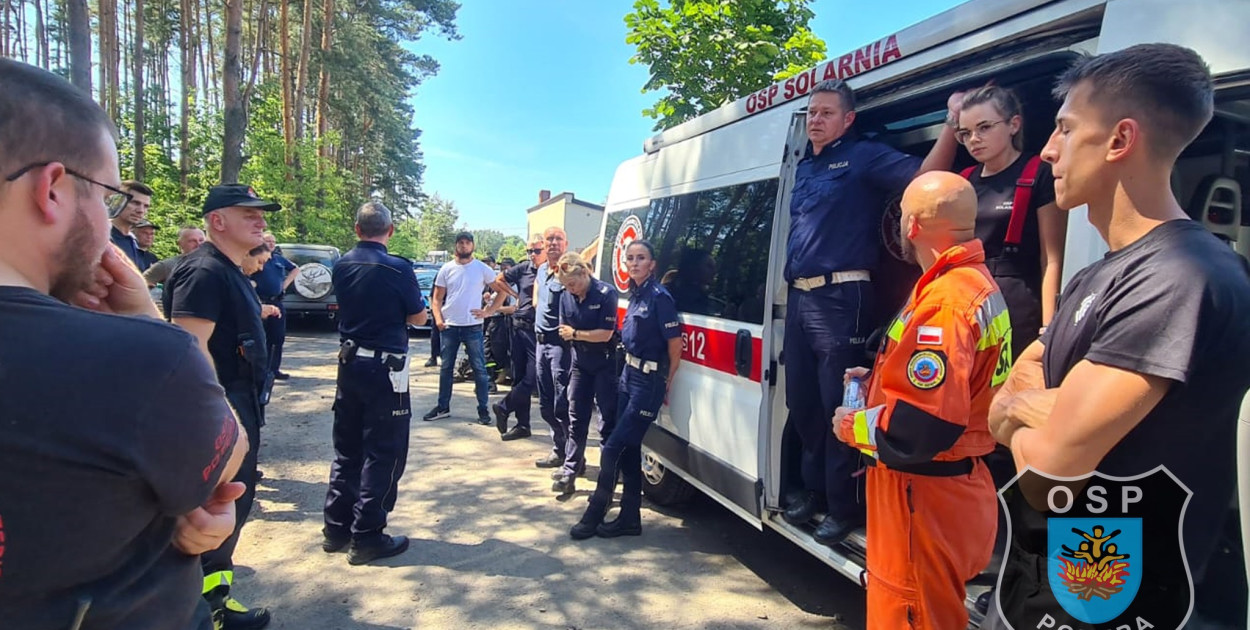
209	296
145	235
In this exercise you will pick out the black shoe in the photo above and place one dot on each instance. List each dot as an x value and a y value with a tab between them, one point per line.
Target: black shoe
550	461
586	527
387	547
236	616
515	433
281	376
436	414
334	545
501	418
431	363
620	527
565	485
834	530
483	417
803	511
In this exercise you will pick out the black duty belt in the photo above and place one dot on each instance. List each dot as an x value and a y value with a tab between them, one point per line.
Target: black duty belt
550	337
272	300
957	468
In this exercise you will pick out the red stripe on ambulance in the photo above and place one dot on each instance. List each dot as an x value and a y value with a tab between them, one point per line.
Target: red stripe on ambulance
712	348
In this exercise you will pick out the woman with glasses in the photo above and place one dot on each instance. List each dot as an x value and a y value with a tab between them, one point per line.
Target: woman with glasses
588	324
1020	226
651	335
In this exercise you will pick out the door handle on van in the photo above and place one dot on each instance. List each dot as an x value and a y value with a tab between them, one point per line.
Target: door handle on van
743	356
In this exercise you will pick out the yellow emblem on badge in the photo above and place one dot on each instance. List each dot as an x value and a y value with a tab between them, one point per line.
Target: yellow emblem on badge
927	369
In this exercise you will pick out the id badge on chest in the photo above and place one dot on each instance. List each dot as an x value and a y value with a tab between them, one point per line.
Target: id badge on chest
399	376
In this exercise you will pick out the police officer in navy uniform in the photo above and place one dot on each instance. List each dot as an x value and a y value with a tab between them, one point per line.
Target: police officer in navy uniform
522	351
378	296
552	353
210	297
271	284
841	187
651	335
588	323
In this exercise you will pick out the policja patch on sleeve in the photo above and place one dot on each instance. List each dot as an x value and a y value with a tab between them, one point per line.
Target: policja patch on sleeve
926	369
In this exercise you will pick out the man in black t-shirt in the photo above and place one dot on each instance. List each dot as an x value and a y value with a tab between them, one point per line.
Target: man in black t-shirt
1142	364
106	497
211	298
518	282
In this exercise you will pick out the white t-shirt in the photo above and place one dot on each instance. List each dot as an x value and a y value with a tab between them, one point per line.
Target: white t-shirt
464	284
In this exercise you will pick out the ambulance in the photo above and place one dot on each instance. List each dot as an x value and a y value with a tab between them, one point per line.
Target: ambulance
713	193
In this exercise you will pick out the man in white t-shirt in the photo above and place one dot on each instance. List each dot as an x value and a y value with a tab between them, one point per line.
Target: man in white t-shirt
458	314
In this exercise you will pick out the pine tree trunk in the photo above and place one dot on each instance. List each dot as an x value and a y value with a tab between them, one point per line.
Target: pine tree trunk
301	82
323	92
79	44
140	97
235	116
187	92
214	77
41	36
288	122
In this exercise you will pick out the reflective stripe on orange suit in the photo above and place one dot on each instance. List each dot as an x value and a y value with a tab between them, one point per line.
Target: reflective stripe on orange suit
928	401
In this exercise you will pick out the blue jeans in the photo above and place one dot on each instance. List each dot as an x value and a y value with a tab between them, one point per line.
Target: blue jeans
474	343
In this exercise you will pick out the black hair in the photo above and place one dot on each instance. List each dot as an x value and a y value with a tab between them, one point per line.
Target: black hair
132	186
645	243
45	119
1165	87
839	87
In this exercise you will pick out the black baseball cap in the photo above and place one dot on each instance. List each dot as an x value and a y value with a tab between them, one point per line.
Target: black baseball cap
145	223
232	195
464	236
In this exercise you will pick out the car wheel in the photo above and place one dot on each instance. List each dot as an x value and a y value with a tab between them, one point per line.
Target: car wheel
663	486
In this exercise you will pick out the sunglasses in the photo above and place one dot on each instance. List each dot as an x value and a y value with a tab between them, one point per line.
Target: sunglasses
534	251
115	201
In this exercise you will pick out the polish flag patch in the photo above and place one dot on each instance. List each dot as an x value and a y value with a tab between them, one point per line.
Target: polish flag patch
929	336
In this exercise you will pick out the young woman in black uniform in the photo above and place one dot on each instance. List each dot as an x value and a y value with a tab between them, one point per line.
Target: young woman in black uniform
1023	246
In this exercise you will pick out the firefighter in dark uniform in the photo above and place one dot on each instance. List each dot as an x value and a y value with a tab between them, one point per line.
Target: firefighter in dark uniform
651	335
378	296
588	323
841	187
209	296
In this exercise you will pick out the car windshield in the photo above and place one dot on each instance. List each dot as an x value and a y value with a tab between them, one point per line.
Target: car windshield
304	256
426	279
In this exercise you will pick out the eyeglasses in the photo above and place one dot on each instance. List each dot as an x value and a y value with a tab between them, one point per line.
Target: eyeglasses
962	136
115	201
534	252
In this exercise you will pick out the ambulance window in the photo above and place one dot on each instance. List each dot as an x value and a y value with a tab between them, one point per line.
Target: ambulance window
712	248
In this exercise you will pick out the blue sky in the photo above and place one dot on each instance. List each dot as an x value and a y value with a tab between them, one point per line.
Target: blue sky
540	95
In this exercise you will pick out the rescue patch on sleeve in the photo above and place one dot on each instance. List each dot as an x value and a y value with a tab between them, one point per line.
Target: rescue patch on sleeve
928	336
926	369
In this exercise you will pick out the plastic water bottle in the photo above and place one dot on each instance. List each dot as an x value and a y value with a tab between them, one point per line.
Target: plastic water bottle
853	394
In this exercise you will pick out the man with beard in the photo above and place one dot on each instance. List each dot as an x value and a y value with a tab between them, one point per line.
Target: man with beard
145	235
125	220
555	361
518	401
271	284
458	314
209	296
189	239
92	483
841	187
930	498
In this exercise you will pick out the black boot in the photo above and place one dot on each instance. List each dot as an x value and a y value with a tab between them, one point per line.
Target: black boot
591	519
804	510
627	523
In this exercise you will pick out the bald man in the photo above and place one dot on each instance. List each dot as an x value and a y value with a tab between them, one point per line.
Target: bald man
932	514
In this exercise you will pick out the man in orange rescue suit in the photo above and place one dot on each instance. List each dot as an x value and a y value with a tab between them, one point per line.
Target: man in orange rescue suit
932	514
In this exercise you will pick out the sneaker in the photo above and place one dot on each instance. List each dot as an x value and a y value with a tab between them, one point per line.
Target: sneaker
483	418
432	362
550	461
437	414
236	616
565	485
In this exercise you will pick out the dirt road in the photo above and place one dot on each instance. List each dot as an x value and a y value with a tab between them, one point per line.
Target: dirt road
490	545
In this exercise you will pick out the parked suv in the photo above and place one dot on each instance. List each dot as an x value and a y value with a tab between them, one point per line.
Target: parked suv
312	294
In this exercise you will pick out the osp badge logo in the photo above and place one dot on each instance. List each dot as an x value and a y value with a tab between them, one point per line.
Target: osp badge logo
630	231
1095	553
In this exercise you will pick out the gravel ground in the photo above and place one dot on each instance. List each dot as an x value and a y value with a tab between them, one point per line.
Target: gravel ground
490	545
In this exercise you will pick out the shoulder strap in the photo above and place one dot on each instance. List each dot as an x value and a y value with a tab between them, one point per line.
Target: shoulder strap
967	172
1020	204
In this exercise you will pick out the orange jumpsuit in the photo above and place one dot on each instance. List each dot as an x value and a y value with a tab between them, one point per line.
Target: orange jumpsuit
932	510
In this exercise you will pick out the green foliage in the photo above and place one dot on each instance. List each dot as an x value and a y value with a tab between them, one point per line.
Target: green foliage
487	242
706	53
432	228
513	247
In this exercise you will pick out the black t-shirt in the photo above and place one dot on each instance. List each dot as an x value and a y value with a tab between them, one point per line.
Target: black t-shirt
1174	304
208	285
522	277
111	428
995	195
